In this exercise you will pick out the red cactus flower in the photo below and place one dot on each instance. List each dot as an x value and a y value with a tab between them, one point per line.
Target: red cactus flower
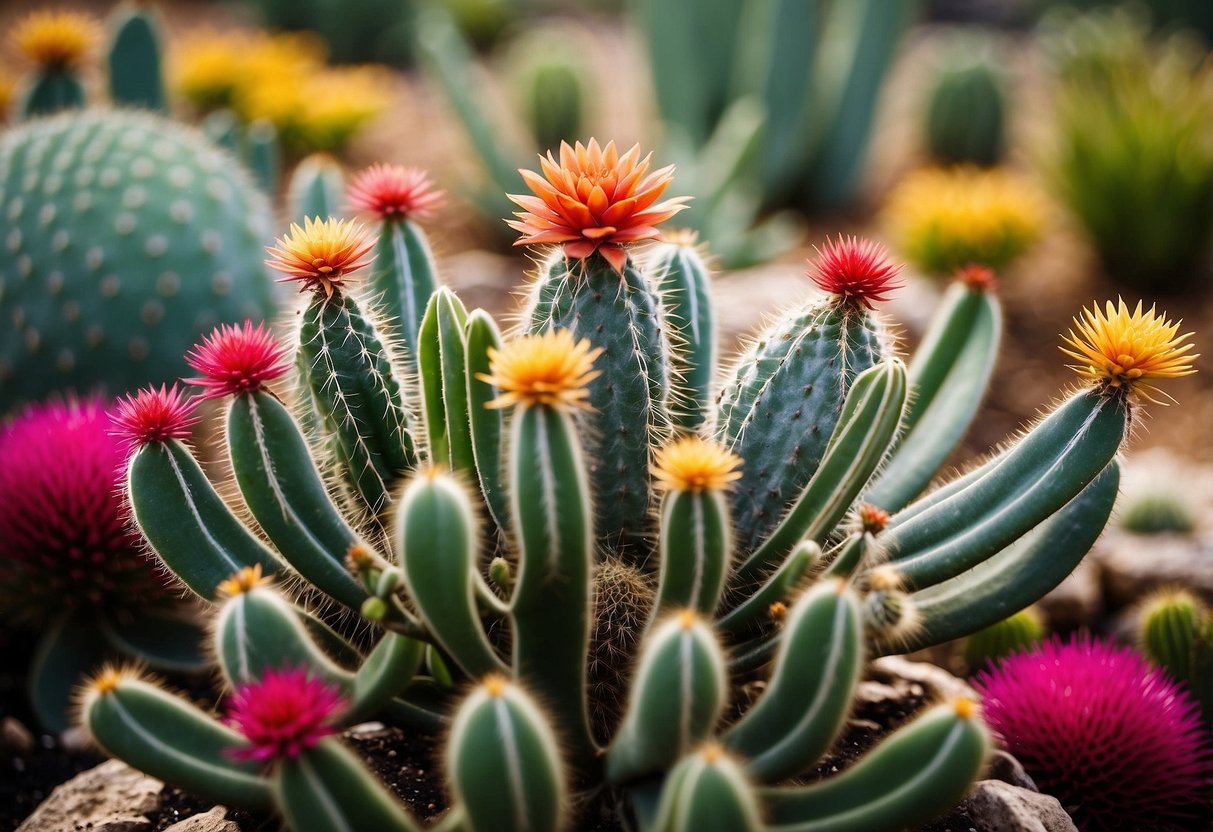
592	200
855	270
283	714
1119	744
64	540
237	359
394	192
152	415
978	278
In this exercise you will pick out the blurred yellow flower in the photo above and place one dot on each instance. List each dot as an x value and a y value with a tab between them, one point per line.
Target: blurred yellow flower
53	38
8	91
946	219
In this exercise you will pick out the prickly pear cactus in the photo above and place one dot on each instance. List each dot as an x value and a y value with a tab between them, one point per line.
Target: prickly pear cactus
125	236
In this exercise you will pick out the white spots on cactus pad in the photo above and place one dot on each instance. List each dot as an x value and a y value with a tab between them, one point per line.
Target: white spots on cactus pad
15	207
124	223
134	197
138	348
110	286
71	311
181	211
64	158
65	360
84	176
29	182
219	190
94	335
60	240
13	240
94	257
52	184
93	153
152	312
180	176
25	266
209	162
212	241
82	201
54	282
142	168
18	317
131	139
156	245
221	283
168	285
46	214
110	176
33	339
163	150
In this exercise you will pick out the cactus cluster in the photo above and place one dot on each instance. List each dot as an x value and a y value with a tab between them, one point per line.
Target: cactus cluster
492	509
1175	629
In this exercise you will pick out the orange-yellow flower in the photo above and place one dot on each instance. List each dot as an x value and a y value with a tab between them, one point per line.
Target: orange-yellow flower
322	253
549	369
1123	349
246	580
695	464
55	39
592	200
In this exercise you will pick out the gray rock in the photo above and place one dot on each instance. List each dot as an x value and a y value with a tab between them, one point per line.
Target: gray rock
113	797
995	806
213	821
1134	564
1076	601
1002	766
902	676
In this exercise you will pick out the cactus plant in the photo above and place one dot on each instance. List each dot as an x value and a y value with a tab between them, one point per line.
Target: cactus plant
1175	630
128	236
1021	631
966	110
55	42
495	637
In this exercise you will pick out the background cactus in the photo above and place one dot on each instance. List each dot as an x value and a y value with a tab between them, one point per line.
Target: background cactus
495	637
966	112
128	236
1175	630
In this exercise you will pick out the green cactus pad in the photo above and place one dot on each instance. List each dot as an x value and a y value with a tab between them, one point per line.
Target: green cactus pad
126	237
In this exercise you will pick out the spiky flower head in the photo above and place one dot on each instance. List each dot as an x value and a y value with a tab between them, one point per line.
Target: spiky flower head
1123	350
594	200
854	270
943	219
152	415
695	464
549	369
322	253
283	714
978	278
65	544
236	359
245	580
394	192
1113	739
872	519
55	38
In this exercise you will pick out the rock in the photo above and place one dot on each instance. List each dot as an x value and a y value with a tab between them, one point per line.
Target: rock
1002	766
902	675
213	821
995	806
1076	601
1131	565
113	797
15	738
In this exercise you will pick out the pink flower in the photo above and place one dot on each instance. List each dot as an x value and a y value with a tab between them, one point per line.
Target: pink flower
394	191
855	270
283	714
1119	744
235	359
64	540
152	415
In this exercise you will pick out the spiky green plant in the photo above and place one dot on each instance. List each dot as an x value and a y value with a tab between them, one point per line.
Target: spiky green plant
1175	629
966	109
495	580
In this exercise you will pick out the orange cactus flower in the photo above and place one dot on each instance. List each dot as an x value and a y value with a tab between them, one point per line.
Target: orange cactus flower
594	200
322	253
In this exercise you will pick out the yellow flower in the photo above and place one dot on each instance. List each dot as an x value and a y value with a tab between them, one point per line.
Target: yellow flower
246	580
548	369
945	219
1124	350
322	253
56	39
694	464
8	90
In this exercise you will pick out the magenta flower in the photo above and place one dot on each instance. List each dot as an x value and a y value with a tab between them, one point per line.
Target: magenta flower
64	540
1119	744
153	415
236	359
283	714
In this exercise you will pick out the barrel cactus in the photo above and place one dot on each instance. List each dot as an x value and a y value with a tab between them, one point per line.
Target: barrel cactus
462	516
126	237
